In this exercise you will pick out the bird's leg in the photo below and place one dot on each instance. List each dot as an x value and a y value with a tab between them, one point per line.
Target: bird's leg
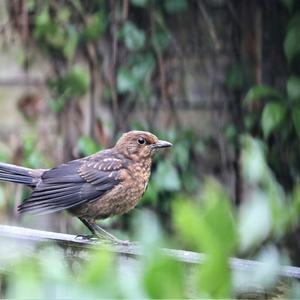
90	227
100	232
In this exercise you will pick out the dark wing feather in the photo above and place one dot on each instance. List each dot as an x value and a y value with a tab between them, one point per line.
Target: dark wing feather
74	183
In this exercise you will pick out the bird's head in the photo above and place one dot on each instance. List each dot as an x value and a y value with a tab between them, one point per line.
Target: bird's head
139	145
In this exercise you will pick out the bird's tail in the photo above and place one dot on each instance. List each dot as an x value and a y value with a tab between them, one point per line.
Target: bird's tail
17	174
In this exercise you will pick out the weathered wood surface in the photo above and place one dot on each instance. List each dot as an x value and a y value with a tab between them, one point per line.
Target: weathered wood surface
132	249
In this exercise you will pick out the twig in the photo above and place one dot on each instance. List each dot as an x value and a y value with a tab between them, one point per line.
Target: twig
210	26
162	73
112	75
22	80
125	10
92	60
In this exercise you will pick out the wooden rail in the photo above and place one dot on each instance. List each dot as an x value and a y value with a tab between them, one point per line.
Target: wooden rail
132	249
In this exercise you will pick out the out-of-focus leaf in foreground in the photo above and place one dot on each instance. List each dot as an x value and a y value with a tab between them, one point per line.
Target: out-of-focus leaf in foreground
209	227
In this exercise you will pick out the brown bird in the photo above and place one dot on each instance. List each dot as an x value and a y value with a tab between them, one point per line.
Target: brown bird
107	183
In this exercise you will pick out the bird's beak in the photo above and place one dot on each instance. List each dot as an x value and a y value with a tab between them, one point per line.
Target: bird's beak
162	144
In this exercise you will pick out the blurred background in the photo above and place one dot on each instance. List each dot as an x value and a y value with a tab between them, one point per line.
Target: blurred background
220	79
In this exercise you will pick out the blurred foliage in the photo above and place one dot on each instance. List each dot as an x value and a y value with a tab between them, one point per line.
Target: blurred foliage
270	113
66	30
210	225
70	35
32	157
87	146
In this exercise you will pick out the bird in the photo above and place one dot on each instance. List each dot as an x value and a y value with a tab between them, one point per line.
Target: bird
108	183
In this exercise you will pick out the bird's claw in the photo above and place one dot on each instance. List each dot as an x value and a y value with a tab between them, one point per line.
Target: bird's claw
95	238
122	242
86	237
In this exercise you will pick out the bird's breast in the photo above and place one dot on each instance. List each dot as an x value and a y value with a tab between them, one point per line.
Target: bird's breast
123	197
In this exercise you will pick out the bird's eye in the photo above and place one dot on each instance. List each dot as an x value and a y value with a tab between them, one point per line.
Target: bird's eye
141	141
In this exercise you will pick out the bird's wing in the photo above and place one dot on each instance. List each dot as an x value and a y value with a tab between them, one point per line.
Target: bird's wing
74	183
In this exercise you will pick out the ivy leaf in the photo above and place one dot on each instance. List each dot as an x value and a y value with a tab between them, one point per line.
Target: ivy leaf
131	79
161	39
71	44
63	15
134	37
126	81
261	91
291	43
77	81
296	120
255	210
96	26
197	226
143	66
236	77
272	116
293	88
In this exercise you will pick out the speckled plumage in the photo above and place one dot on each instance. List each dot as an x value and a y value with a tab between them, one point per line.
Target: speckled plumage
107	183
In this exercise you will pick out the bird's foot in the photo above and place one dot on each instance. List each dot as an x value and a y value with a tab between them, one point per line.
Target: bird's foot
122	242
86	237
105	239
111	239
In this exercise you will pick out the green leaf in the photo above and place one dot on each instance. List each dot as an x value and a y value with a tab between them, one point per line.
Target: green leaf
214	278
296	201
296	120
209	228
42	18
98	271
134	38
139	3
76	81
255	210
293	87
175	6
131	80
87	146
143	66
71	44
151	194
217	206
164	279
261	91
63	15
56	37
161	39
236	77
58	104
291	43
5	155
181	155
272	116
253	160
126	81
30	5
166	177
96	26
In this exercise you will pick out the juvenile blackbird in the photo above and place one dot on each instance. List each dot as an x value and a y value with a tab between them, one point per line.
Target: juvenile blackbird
107	183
